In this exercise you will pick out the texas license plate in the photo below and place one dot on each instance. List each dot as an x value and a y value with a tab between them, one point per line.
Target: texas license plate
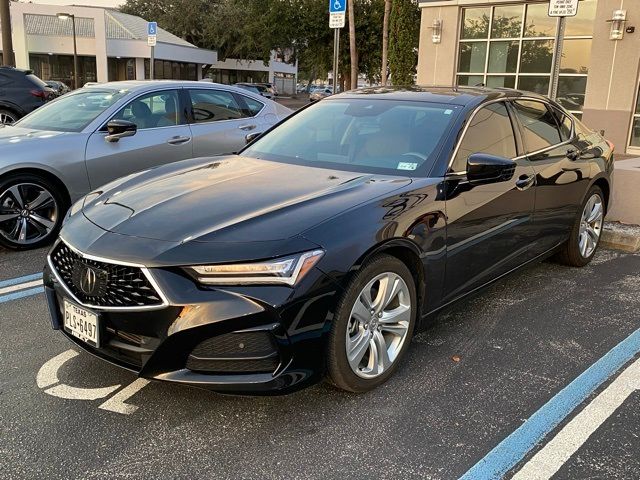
81	323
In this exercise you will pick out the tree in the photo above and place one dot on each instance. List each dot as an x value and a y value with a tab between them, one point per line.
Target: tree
403	42
385	42
353	51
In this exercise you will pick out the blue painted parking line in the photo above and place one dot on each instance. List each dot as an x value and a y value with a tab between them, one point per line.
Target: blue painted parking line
16	281
508	453
21	294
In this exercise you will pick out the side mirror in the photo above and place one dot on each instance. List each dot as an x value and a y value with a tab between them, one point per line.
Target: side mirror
483	168
252	136
120	129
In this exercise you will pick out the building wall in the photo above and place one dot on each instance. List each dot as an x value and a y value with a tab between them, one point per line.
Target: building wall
612	82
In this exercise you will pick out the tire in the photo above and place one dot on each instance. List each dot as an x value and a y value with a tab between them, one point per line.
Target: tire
572	252
354	320
8	117
32	200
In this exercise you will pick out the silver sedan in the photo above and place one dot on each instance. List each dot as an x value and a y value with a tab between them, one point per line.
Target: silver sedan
94	135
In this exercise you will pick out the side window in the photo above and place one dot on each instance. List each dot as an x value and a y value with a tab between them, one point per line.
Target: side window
157	109
566	124
214	106
490	131
540	129
253	106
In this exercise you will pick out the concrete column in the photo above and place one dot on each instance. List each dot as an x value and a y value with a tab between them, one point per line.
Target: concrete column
102	71
140	69
612	85
20	47
436	61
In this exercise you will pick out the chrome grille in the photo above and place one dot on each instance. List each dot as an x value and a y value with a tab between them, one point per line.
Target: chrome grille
113	285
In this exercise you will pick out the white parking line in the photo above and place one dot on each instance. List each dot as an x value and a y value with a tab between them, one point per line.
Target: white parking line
548	461
22	286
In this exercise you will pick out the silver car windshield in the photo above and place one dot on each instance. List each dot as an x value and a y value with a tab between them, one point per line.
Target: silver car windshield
373	136
72	112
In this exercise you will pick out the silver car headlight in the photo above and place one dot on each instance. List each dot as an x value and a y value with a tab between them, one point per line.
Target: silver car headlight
287	270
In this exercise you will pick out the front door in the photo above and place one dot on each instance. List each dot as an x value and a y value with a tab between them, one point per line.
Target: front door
162	137
488	226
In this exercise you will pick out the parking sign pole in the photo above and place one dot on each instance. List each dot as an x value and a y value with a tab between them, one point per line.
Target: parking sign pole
557	58
336	57
152	62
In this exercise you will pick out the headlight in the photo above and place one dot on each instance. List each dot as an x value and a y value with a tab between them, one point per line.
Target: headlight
287	270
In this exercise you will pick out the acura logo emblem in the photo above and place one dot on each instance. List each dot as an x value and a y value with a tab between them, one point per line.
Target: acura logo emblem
88	281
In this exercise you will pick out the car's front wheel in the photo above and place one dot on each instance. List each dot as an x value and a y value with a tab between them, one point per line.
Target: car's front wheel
586	232
7	117
31	211
373	325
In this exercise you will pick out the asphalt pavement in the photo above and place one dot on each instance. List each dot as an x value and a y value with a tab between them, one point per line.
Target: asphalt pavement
481	372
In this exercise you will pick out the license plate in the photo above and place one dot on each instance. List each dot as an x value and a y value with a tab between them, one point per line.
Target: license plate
81	323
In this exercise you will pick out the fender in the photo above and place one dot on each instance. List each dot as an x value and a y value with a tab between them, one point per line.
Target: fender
12	106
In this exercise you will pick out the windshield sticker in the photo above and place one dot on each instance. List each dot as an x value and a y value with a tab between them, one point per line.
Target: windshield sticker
448	112
407	166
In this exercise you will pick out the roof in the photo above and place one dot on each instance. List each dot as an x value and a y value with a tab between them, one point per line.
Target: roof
118	26
123	26
437	94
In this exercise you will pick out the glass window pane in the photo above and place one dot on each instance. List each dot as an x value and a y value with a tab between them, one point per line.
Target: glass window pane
537	56
571	92
534	84
638	102
503	57
582	23
254	106
475	23
507	81
472	57
214	106
158	109
489	132
538	23
470	80
635	133
507	22
539	126
576	56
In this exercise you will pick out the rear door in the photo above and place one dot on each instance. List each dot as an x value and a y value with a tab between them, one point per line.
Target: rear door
488	226
163	136
562	170
220	121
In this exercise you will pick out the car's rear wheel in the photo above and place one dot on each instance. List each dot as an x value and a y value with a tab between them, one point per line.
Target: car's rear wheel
373	325
7	117
31	211
586	232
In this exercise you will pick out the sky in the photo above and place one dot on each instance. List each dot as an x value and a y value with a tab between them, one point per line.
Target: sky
94	3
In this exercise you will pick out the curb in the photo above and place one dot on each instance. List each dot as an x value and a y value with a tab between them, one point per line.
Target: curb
617	236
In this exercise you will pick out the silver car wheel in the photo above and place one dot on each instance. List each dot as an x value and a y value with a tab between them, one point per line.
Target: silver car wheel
590	226
28	213
378	325
7	118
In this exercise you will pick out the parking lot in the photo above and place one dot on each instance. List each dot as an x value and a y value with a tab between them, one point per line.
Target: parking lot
476	386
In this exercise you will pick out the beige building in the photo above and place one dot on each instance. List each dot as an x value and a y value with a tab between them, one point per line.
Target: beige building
511	43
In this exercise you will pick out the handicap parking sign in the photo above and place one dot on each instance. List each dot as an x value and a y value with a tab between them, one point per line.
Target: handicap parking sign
152	29
337	6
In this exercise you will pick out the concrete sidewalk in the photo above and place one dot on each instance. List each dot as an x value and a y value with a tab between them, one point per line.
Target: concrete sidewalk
622	229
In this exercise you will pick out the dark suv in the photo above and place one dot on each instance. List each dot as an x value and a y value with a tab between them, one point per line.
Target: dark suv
21	92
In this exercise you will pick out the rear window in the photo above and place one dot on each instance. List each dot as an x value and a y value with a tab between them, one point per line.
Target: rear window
35	81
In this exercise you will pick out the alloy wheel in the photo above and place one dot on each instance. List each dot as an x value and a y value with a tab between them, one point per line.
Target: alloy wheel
590	226
7	118
28	213
378	325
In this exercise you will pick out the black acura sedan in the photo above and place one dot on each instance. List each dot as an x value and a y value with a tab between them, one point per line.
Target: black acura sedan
320	248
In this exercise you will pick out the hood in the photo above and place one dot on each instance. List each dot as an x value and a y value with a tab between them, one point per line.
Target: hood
231	199
11	135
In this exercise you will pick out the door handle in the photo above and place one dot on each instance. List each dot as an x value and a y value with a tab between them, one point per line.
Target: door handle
178	140
525	181
247	128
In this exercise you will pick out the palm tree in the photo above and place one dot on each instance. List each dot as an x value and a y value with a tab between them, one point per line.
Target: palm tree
353	52
385	40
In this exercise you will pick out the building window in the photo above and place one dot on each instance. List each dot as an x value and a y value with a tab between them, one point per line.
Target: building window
635	127
512	46
167	70
60	68
121	69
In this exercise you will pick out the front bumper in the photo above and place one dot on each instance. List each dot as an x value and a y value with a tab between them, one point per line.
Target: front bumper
257	339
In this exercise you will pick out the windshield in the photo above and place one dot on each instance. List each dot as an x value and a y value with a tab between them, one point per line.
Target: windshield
73	112
370	135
